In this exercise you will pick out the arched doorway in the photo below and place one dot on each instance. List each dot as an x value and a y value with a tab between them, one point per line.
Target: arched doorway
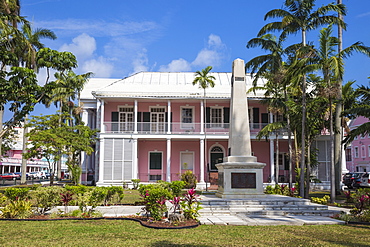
216	156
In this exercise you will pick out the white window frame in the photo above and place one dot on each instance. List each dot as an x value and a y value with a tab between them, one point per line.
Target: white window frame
187	125
214	125
355	152
126	125
363	151
158	126
181	161
368	150
155	151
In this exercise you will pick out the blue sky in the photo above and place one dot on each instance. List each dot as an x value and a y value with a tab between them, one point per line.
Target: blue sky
116	38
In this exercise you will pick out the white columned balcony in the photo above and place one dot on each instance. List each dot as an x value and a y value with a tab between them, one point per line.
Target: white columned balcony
168	177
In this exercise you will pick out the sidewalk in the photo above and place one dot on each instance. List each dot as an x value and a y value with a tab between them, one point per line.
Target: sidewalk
251	220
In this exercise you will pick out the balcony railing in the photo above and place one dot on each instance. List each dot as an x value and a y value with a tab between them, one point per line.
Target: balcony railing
173	128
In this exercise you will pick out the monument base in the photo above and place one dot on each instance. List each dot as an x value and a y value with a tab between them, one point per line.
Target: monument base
240	179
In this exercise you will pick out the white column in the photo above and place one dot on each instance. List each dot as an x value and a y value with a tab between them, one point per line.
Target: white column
135	168
168	178
168	117
272	163
102	127
201	117
344	162
135	117
201	180
101	162
85	119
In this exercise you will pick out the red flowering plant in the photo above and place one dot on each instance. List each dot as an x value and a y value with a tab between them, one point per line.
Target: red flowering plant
155	196
190	204
176	203
66	198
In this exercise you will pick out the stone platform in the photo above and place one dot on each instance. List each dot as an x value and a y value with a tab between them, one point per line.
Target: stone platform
270	210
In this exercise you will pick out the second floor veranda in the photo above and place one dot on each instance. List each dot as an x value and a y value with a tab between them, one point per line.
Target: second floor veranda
176	128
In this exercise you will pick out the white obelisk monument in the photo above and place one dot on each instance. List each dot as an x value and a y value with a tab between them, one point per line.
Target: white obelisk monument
240	175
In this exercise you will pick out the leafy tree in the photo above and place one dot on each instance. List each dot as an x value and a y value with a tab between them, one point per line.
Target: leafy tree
300	16
360	108
51	139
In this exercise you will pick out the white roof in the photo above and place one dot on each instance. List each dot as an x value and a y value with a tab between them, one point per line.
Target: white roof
162	85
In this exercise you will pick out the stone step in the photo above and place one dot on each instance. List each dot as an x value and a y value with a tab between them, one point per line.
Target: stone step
265	207
326	213
256	202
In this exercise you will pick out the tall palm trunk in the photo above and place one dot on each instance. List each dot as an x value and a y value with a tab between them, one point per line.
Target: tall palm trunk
308	171
24	150
332	156
303	134
338	111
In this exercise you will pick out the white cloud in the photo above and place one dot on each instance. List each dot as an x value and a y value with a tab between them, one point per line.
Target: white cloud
140	63
100	67
363	14
178	65
99	28
211	55
83	46
215	41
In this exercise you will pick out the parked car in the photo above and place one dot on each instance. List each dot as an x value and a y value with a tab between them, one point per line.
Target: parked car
365	181
20	174
32	175
352	179
9	176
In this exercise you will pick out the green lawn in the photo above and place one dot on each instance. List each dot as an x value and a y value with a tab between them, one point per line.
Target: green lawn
129	233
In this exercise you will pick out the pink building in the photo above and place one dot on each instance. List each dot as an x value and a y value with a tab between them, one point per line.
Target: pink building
358	153
156	125
12	160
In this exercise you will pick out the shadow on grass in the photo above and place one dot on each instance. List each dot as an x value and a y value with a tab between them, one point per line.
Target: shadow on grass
168	243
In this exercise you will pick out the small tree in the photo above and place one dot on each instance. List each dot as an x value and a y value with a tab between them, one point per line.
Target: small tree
51	139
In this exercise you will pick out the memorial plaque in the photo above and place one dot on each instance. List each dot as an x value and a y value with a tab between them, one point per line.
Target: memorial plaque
221	179
243	180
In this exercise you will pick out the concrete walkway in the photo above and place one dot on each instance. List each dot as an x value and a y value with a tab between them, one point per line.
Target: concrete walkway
222	219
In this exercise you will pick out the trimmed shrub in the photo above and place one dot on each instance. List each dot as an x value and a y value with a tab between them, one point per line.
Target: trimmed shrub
189	179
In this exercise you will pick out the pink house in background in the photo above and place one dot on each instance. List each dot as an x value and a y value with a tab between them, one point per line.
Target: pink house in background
358	153
156	125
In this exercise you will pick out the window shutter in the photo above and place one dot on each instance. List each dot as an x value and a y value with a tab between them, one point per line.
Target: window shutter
226	117
114	119
208	114
146	116
139	121
256	115
264	118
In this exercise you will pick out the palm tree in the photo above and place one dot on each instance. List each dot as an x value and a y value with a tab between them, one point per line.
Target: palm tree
338	135
329	62
361	108
204	80
27	55
300	16
271	66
